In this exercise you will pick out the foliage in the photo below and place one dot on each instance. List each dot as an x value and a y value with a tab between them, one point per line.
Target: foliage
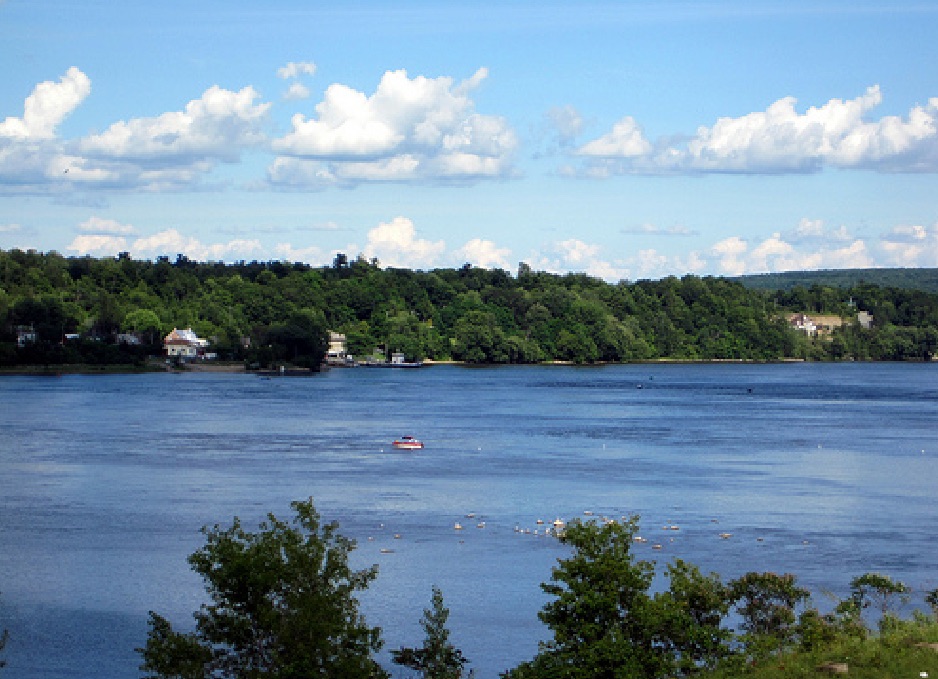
269	312
766	604
899	653
909	278
437	658
694	606
605	623
282	605
876	589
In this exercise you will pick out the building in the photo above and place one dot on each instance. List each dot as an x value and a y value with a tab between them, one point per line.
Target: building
184	344
25	334
337	353
820	325
865	320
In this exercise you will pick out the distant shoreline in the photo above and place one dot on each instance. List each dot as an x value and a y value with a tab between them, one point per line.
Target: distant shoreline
235	368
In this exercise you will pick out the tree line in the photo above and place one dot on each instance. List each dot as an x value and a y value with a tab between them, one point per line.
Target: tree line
268	312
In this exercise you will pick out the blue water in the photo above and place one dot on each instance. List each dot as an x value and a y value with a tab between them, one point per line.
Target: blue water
826	471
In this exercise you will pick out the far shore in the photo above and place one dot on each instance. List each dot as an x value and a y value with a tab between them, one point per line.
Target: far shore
159	365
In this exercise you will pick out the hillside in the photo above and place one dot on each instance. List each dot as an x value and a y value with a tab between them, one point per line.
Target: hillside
925	280
62	310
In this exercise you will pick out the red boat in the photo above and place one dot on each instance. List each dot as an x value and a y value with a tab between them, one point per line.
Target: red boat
407	443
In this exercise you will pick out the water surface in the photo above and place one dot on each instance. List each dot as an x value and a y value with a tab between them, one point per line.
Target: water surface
826	471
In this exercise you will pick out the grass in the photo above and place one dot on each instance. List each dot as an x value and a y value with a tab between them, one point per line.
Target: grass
894	653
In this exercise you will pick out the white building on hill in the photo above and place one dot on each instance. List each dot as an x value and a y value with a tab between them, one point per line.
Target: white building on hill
184	344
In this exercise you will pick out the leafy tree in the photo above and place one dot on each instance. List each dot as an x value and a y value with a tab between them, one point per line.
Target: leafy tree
282	605
145	322
437	658
873	588
931	598
693	609
766	603
604	623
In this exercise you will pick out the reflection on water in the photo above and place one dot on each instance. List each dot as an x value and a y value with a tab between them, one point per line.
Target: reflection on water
826	471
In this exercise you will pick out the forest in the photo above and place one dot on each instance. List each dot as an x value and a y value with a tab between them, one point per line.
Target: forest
262	313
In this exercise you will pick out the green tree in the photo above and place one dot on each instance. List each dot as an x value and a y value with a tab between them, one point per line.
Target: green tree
145	322
282	605
872	589
692	613
437	658
766	603
604	623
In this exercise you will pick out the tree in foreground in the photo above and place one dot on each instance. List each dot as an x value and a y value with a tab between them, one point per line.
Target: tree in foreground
437	658
766	604
604	622
282	605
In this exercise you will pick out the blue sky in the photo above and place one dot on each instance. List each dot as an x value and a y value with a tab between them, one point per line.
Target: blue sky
626	140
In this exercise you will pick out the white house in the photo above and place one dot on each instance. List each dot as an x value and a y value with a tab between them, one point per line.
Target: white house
184	344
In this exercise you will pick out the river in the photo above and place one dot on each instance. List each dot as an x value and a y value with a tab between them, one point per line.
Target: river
826	471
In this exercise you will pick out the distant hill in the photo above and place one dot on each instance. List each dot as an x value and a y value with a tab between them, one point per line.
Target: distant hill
925	280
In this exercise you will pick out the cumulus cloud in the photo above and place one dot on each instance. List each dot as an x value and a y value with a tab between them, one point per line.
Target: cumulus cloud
735	256
174	150
310	255
295	69
98	245
626	140
396	244
484	253
911	245
32	158
780	139
98	225
216	126
409	128
296	91
47	106
574	254
171	241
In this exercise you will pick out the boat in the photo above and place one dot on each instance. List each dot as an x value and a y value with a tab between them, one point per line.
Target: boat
407	443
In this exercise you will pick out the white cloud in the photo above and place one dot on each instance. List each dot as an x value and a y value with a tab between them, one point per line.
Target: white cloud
409	129
626	140
9	228
296	91
566	122
171	242
295	69
98	225
217	126
576	255
99	245
733	256
395	244
311	255
810	228
47	106
729	252
484	253
654	230
780	140
911	245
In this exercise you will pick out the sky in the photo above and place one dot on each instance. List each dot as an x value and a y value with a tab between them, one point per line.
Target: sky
627	140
